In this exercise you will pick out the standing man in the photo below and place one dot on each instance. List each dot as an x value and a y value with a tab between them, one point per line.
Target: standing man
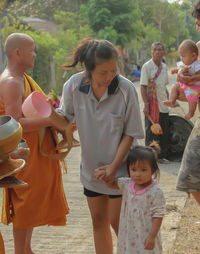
43	201
189	173
153	81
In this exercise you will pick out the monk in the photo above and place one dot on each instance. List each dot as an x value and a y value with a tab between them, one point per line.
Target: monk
43	202
18	153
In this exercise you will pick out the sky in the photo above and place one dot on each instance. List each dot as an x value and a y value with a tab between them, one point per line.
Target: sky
170	1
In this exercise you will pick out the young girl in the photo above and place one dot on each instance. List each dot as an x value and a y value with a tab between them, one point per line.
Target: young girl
188	51
143	204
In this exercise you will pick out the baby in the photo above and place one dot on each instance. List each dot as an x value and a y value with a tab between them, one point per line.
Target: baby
188	51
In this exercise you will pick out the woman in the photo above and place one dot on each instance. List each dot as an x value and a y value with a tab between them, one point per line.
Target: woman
189	174
105	107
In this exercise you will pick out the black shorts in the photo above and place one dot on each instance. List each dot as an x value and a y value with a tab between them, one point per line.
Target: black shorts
92	194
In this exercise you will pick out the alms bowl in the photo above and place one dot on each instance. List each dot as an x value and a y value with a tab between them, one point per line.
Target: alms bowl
10	134
36	106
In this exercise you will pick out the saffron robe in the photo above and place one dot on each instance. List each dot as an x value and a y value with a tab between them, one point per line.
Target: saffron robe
43	202
2	249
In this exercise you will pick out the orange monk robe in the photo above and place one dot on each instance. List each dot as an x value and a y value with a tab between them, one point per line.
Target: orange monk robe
2	248
43	202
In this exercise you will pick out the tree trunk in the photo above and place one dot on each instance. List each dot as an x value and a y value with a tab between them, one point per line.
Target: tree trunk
1	55
53	76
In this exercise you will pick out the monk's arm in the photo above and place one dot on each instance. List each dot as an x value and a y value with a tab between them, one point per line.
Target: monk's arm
12	99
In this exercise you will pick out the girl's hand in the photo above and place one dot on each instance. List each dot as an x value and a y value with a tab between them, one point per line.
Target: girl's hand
174	71
149	243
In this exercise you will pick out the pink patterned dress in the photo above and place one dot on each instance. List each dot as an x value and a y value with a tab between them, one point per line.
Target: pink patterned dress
138	209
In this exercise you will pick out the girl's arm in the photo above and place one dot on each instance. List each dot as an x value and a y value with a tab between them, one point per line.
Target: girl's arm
112	185
149	243
174	71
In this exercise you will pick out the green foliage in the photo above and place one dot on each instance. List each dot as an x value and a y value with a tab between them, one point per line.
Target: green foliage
132	24
114	16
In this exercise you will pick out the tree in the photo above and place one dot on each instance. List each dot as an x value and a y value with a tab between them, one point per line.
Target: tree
114	20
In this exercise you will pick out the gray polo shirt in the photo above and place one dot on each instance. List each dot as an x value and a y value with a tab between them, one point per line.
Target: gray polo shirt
101	124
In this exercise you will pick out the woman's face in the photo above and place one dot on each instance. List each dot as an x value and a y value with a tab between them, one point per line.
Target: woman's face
197	25
104	73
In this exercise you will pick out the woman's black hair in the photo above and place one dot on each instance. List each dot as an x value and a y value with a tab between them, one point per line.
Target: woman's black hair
90	52
196	10
145	153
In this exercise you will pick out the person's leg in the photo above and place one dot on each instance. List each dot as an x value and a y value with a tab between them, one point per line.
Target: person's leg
192	107
99	210
2	247
114	210
165	137
196	195
28	249
173	96
19	240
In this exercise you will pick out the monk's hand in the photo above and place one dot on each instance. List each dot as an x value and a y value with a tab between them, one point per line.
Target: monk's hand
20	153
149	243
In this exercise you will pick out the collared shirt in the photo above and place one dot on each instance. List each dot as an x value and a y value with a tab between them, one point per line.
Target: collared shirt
148	72
101	124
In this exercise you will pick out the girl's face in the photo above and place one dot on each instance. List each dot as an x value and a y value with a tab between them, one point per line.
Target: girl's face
187	57
104	73
141	172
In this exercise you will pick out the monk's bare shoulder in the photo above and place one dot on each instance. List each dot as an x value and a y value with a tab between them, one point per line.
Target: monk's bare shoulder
11	87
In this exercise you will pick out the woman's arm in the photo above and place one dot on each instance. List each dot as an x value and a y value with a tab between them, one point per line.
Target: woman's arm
107	172
58	120
183	76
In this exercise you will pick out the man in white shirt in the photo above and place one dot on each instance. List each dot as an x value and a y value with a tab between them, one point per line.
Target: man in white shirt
148	73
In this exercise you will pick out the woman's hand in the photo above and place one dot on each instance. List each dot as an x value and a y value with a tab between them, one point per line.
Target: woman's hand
105	173
183	75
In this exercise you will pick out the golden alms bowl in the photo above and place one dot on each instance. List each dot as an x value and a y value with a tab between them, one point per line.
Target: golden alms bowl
10	135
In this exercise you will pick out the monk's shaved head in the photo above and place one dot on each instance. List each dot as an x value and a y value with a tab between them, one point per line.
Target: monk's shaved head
16	40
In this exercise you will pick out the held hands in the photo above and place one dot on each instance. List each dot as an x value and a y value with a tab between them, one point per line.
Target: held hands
106	174
149	243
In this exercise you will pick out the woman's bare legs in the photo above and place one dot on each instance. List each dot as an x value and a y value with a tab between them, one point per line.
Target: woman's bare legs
115	207
99	209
